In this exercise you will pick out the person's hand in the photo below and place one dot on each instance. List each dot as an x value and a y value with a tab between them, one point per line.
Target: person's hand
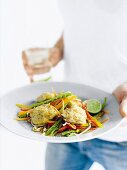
121	95
30	56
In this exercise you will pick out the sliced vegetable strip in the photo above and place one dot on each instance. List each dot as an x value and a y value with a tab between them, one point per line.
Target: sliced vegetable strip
22	119
24	114
63	128
65	100
104	103
62	95
54	128
92	119
66	133
23	107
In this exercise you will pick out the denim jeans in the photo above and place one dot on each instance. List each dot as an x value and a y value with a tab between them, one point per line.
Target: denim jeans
80	156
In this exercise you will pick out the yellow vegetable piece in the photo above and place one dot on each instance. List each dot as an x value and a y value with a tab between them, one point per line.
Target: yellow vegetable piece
84	125
65	101
69	98
23	119
24	112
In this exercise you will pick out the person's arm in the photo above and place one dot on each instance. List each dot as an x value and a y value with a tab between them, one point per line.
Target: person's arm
57	52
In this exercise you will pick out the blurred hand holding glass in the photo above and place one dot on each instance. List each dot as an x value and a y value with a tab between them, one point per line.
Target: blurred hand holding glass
38	61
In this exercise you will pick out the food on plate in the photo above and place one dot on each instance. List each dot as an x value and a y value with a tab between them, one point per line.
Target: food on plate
74	115
42	114
93	106
63	114
45	96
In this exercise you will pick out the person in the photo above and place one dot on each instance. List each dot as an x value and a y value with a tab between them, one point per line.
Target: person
94	48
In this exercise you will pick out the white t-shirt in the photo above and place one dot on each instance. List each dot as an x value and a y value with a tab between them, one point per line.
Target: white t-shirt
95	38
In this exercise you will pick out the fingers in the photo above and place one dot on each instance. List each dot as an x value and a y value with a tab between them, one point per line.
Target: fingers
123	107
120	92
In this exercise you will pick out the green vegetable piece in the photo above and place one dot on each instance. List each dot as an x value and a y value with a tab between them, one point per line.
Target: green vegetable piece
71	134
65	105
22	106
68	132
62	95
93	106
59	96
23	115
54	128
104	103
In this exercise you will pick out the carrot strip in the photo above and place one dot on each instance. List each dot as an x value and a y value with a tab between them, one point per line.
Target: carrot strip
50	123
55	102
65	100
67	126
93	128
80	127
92	119
70	126
62	129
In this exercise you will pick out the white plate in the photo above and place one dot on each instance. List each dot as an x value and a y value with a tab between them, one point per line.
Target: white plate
29	93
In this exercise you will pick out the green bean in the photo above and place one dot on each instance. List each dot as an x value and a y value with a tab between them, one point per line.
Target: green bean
104	103
53	129
59	96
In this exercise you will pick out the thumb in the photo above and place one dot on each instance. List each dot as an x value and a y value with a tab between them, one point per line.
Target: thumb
123	107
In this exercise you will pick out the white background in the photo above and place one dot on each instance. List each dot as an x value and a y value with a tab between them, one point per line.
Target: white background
24	24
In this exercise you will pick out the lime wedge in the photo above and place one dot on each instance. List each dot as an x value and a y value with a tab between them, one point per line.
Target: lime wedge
93	106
